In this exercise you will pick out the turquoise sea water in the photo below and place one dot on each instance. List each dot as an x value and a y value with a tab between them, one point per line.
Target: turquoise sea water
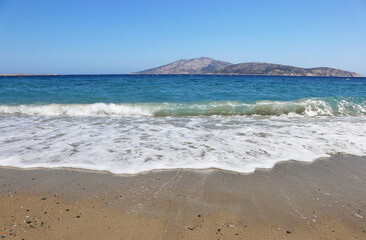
134	123
171	88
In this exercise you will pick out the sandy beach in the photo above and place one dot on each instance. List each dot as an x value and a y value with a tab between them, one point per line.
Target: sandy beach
194	120
294	200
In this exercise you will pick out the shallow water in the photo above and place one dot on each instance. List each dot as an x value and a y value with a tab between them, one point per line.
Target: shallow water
129	124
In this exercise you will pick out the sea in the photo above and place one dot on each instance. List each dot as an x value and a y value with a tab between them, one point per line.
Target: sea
127	124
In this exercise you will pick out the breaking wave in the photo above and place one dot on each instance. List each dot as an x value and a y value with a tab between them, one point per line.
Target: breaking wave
310	107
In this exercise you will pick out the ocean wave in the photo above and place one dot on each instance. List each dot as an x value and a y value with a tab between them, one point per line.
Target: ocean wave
133	145
311	107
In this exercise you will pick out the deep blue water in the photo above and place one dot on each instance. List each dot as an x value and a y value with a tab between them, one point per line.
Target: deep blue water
172	88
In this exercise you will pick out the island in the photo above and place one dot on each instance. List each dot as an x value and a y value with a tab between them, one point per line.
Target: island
24	75
204	65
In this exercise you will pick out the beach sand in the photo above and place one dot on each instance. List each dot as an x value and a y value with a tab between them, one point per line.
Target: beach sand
322	200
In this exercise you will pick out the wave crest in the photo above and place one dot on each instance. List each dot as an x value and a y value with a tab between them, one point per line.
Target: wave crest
333	106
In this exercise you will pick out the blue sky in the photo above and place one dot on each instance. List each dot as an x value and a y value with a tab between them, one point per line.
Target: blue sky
87	36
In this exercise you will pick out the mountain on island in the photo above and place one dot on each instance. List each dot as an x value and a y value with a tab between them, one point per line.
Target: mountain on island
205	65
254	68
200	65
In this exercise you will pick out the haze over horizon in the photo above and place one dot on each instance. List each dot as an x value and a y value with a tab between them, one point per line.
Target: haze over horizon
90	37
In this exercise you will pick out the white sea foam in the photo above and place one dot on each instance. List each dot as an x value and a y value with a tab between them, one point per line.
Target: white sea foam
131	145
305	107
96	109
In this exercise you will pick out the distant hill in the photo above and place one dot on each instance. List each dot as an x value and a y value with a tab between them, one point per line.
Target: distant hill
204	65
200	65
254	68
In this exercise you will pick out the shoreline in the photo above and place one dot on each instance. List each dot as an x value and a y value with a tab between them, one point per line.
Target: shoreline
323	199
197	170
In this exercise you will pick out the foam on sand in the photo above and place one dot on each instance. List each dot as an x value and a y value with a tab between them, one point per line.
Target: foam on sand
131	145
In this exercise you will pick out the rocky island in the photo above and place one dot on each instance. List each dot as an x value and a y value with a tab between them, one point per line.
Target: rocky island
205	65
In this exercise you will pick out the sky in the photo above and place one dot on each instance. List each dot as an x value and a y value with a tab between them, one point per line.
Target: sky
112	37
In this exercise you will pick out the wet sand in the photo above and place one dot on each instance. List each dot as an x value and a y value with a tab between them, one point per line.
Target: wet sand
322	200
